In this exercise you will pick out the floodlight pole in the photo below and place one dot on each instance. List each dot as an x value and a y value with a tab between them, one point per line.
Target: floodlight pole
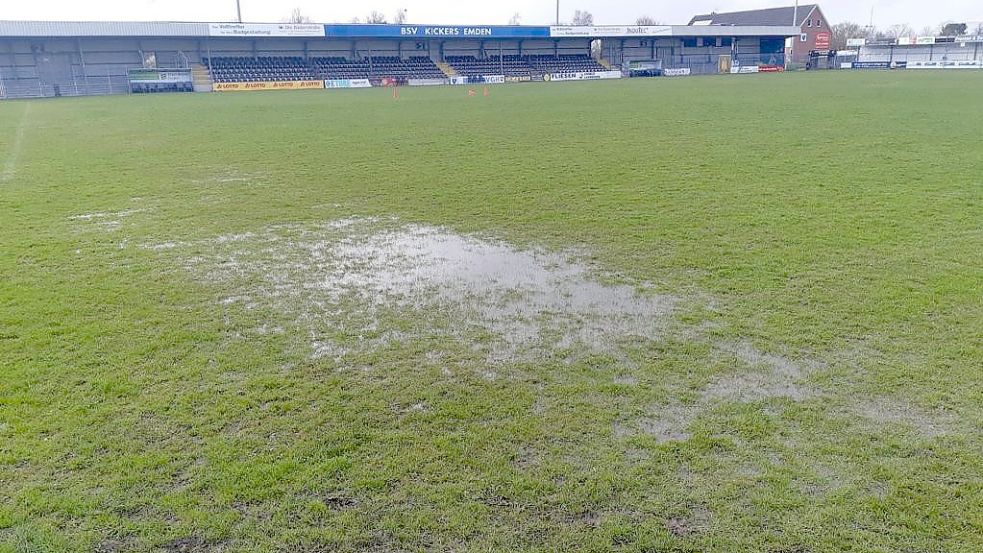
557	13
795	23
238	12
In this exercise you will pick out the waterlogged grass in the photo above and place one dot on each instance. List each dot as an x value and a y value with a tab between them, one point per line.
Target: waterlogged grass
817	389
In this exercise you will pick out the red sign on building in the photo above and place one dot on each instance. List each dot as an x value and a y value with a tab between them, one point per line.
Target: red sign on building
822	41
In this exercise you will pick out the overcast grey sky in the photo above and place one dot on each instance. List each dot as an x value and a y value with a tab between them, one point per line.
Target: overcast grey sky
917	13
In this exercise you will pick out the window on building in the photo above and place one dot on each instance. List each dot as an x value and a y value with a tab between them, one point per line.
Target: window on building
819	23
810	23
689	43
726	42
803	38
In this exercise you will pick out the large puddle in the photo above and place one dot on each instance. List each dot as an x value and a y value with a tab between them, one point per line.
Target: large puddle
354	288
353	284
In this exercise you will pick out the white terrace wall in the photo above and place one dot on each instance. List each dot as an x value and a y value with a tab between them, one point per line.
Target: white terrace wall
678	52
949	51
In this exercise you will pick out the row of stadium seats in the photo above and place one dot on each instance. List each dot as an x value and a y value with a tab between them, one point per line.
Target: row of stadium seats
565	64
241	69
510	66
520	66
377	67
245	69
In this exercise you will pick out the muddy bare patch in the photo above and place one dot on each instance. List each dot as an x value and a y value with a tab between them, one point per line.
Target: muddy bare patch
190	544
694	522
114	545
790	549
819	479
359	285
336	501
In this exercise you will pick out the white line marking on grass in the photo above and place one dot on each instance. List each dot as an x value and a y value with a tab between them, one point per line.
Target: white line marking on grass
10	166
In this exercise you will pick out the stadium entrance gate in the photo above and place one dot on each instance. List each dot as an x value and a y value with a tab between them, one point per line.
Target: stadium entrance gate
724	63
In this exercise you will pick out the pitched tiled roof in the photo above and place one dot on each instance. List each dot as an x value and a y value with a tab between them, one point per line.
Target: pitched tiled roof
770	16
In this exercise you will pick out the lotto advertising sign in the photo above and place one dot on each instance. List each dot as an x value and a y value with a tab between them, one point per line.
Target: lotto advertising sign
267	85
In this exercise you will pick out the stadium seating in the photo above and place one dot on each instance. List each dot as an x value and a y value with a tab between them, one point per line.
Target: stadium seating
243	69
520	66
247	69
377	68
510	66
565	64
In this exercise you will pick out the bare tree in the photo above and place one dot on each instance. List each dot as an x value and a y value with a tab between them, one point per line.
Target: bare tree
400	17
844	31
583	18
375	17
516	19
928	30
647	21
898	31
356	20
297	16
953	29
978	31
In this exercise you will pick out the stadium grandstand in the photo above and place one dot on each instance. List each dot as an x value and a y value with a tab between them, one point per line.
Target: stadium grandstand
965	52
41	59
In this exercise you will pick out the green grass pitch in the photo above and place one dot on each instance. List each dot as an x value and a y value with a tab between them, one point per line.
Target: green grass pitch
708	314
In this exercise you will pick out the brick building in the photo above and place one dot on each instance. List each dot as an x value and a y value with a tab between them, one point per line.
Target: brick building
815	29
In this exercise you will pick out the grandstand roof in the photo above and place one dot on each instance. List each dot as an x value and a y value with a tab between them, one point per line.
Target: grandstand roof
408	31
100	28
768	16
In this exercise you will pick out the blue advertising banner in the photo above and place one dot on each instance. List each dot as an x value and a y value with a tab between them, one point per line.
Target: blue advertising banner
436	31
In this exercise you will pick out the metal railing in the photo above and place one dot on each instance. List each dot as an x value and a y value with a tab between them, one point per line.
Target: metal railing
711	65
36	87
